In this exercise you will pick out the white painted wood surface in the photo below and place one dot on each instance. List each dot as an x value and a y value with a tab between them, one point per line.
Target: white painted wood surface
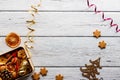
69	51
60	5
75	74
59	23
63	37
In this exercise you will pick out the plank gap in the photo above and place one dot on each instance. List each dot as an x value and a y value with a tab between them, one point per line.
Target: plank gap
68	36
53	11
74	66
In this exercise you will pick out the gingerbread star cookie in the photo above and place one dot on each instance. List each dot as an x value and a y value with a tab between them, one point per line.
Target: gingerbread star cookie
97	34
102	44
59	77
36	76
43	71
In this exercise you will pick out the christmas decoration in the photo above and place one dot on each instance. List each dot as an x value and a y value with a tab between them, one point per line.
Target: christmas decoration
59	77
102	44
36	76
43	71
90	71
112	24
13	40
97	34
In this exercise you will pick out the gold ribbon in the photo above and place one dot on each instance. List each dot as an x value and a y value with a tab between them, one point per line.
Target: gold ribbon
30	23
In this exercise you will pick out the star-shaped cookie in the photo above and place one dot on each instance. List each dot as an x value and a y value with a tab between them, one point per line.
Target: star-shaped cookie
36	76
43	71
97	34
102	44
59	77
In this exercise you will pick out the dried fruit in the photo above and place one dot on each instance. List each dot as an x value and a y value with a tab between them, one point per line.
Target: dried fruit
21	54
0	78
3	60
13	40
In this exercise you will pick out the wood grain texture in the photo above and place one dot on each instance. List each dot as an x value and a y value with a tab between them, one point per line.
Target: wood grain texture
63	36
60	5
72	51
58	23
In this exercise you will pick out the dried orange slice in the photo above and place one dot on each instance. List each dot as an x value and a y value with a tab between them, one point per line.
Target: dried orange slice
13	40
2	60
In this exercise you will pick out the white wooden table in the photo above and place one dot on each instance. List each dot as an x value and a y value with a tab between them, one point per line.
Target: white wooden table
63	37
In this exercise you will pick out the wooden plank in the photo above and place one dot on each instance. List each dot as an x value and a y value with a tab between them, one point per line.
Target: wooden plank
60	5
75	51
58	23
72	51
75	74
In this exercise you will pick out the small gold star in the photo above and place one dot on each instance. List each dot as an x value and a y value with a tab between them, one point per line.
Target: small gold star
59	77
43	71
97	34
36	76
102	45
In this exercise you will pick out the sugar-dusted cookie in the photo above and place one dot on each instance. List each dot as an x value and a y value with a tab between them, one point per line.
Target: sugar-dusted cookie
97	34
102	44
43	71
59	77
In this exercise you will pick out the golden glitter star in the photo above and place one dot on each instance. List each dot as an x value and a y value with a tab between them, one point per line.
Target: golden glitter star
36	76
43	71
97	34
102	44
59	77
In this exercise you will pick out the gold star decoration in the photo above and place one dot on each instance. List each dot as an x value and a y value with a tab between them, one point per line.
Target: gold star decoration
97	34
59	77
102	44
36	76
43	71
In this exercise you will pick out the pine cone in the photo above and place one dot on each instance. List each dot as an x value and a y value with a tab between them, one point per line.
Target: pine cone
6	75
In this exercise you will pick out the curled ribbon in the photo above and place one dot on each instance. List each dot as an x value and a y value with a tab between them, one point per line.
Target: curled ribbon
30	35
103	16
30	23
